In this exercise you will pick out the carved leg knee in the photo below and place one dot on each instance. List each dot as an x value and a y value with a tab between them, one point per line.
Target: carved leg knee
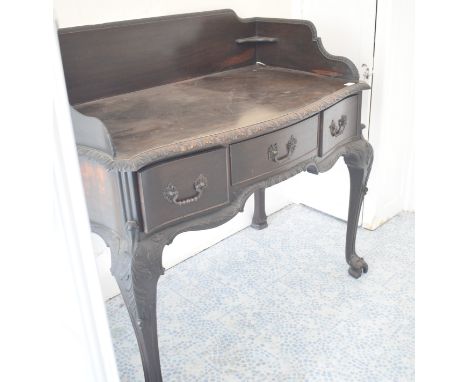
359	161
259	220
137	281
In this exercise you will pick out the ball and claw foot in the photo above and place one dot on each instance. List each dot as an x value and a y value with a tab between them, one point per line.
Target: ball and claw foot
357	266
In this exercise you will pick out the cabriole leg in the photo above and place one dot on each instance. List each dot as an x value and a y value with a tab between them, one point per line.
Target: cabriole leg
137	280
359	162
259	220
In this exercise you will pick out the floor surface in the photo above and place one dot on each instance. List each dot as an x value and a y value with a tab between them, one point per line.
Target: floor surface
279	305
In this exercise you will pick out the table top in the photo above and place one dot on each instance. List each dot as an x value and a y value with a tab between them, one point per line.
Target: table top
210	110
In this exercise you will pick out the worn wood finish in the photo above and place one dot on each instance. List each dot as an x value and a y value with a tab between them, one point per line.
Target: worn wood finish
298	47
102	194
138	285
259	219
91	132
340	122
256	157
155	51
359	162
212	110
169	191
160	156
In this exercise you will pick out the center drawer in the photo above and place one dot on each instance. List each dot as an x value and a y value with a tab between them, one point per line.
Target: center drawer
259	156
174	190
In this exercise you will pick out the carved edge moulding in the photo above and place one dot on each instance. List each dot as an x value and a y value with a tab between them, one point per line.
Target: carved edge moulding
105	154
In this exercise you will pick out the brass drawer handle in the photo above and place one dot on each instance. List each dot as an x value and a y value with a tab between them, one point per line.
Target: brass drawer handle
171	194
273	150
338	130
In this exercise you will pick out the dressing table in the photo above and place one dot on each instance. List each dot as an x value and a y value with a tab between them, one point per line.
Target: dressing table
179	119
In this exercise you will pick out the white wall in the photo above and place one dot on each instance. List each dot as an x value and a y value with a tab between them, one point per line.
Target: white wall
348	32
53	322
392	130
72	13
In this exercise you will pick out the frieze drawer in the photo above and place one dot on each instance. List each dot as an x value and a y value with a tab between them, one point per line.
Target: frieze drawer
339	123
262	155
180	188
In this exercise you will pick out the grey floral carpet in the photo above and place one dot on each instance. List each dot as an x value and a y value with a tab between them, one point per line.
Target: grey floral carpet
279	305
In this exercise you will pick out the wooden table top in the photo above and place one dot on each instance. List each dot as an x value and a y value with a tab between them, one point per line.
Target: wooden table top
207	111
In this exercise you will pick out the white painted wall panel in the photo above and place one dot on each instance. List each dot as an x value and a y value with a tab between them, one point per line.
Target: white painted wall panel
392	120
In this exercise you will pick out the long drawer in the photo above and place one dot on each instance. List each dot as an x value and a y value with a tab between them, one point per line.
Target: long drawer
180	188
340	122
262	155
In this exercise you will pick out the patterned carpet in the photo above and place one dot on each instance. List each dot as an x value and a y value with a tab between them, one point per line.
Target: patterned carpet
279	305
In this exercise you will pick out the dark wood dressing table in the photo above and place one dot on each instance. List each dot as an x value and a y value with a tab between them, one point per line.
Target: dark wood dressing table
179	119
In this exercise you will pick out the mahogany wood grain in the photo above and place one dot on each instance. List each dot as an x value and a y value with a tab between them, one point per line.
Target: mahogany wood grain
297	48
347	109
204	107
115	58
102	193
250	159
157	211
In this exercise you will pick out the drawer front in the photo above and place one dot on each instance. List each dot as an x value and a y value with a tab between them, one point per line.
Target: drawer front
180	188
339	123
259	156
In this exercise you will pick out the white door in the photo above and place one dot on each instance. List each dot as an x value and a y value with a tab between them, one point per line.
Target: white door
347	28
